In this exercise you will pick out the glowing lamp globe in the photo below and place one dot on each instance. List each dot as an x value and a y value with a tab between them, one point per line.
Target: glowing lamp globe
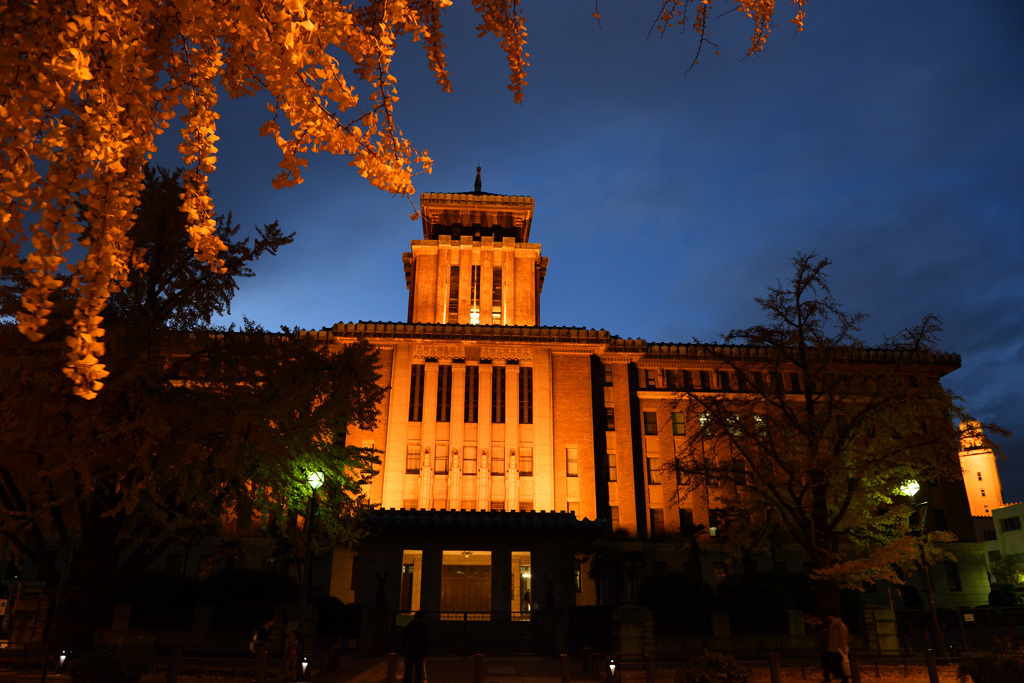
315	479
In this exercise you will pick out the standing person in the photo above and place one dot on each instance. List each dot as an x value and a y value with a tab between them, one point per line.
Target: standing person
291	657
838	647
261	639
415	650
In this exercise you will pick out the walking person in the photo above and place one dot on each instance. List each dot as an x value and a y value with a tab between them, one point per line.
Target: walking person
416	650
838	648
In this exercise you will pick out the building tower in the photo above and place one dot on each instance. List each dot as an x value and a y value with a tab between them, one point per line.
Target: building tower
475	265
981	476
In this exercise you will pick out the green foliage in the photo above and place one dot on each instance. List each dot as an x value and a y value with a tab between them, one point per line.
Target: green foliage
678	603
126	662
990	669
1008	571
198	429
823	430
1002	595
711	667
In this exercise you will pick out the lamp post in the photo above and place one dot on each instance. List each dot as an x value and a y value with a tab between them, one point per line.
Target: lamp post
910	489
315	480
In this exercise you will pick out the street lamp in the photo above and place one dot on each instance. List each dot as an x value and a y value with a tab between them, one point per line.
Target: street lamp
910	489
315	480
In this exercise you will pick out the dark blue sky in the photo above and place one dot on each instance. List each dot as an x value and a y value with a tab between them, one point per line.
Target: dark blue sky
887	136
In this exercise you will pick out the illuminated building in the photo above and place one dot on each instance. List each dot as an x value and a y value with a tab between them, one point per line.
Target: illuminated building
506	445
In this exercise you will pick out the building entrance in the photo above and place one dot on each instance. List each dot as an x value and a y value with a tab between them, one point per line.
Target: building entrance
465	583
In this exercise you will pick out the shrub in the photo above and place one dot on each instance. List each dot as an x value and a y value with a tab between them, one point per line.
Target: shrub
990	669
711	667
125	662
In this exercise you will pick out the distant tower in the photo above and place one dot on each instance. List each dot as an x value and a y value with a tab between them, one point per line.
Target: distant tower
475	265
981	476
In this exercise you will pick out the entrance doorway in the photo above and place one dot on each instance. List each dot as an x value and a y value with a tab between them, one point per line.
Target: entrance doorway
466	585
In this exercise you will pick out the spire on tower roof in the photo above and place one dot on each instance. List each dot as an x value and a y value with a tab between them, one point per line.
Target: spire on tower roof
477	186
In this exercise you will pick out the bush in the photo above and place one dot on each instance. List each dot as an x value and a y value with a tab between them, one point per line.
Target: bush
126	662
990	669
678	603
711	667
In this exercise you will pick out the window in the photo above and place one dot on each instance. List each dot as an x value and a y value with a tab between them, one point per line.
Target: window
572	462
651	379
498	461
453	296
416	393
679	424
705	424
983	493
497	506
613	472
687	380
705	380
735	423
1009	523
724	381
578	575
412	458
526	396
472	408
979	476
953	582
469	460
526	461
444	393
650	422
441	458
613	512
609	419
607	377
990	534
794	383
474	295
653	471
498	395
657	522
741	381
496	296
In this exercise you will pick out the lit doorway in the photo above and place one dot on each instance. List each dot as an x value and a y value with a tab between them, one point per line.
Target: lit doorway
466	585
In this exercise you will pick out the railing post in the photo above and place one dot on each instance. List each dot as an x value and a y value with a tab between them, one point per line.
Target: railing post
854	668
649	667
773	667
565	668
392	666
172	665
478	669
933	669
261	665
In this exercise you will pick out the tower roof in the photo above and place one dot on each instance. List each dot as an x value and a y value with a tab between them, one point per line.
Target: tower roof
476	213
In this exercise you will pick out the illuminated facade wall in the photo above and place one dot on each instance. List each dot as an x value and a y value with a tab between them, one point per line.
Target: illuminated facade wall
981	477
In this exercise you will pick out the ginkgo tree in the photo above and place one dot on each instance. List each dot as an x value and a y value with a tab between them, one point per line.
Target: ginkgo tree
86	89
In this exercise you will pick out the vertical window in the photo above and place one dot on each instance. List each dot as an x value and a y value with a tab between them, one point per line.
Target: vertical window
657	522
979	476
679	424
953	582
498	460
444	393
650	379
983	493
412	458
526	461
607	376
472	405
650	422
609	419
613	470
741	381
687	380
496	296
441	458
724	381
453	296
469	460
578	575
416	393
613	512
498	394
526	396
572	462
497	506
474	295
705	424
705	380
654	471
794	383
758	380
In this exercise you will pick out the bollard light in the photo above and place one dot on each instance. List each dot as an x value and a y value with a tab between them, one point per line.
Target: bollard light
611	669
63	658
305	665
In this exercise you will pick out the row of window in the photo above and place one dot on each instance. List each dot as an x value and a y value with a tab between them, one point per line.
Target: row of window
414	458
717	380
650	419
471	405
474	295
